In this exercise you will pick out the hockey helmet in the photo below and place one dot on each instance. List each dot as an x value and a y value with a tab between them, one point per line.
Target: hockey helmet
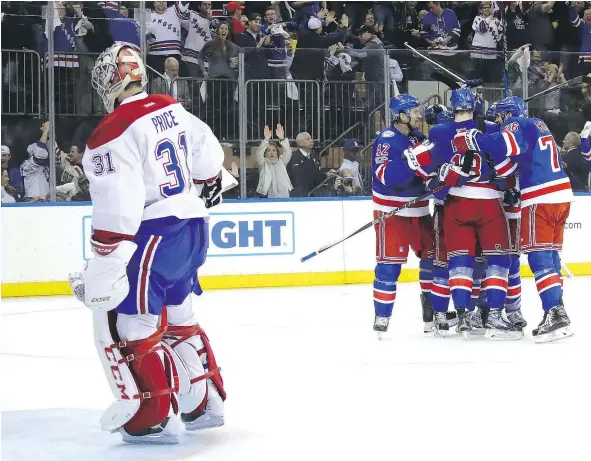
462	99
491	112
513	104
114	70
403	103
436	114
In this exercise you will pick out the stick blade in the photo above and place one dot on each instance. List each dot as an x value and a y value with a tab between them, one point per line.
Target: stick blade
310	256
445	79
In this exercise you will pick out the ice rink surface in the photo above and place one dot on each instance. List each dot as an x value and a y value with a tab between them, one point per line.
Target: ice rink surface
308	380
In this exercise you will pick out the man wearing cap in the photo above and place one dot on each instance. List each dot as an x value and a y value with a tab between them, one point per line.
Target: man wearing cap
234	10
351	149
253	42
308	61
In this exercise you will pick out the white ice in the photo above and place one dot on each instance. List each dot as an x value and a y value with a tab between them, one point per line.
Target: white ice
307	379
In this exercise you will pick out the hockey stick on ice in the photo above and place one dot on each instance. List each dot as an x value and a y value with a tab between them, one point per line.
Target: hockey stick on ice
565	268
372	223
466	167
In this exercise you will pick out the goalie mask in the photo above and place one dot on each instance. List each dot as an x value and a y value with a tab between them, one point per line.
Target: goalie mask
117	67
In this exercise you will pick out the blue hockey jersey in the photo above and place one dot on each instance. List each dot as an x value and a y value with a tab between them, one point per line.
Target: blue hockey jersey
394	183
529	143
479	185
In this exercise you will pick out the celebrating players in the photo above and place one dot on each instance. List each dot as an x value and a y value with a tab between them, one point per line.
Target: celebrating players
545	202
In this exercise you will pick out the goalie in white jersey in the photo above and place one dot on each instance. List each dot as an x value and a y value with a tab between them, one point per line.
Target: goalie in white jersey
154	169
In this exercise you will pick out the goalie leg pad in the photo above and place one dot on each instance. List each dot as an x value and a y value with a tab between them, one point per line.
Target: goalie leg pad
140	373
191	344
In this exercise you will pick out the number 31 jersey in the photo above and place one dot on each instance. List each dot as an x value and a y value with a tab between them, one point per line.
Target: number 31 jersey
142	161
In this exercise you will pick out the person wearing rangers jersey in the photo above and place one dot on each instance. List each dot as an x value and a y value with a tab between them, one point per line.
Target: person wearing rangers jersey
474	220
164	34
153	169
545	202
197	24
394	184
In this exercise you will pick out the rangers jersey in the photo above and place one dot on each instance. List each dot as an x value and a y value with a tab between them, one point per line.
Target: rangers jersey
198	32
35	171
142	161
394	182
529	143
166	29
479	185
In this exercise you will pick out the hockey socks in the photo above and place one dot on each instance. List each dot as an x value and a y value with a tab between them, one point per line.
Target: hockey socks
548	279
426	275
384	288
495	280
513	302
461	270
478	275
440	292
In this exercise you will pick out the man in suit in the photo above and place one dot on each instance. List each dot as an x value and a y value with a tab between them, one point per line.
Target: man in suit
303	169
573	162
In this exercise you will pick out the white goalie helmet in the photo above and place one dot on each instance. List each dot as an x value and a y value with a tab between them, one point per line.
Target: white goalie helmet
114	70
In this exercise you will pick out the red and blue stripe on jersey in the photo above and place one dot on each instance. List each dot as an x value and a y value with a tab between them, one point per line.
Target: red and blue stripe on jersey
529	143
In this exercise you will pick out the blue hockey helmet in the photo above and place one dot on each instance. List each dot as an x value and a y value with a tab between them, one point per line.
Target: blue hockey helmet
513	104
491	112
436	114
403	103
462	99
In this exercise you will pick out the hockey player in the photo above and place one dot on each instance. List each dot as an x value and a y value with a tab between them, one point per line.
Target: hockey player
148	162
545	202
473	219
394	184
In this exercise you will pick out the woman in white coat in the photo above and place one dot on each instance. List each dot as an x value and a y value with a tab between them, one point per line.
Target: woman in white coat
272	160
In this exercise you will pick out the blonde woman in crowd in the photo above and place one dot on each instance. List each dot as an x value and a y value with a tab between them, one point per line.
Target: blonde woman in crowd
272	159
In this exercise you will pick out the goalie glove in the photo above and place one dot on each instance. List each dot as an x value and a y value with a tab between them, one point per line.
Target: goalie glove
452	175
211	191
104	285
466	141
418	155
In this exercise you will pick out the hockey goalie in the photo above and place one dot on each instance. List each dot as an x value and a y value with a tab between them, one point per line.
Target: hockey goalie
154	169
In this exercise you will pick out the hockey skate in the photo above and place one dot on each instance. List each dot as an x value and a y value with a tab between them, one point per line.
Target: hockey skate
452	318
475	320
212	416
427	313
517	319
554	326
441	326
535	330
498	328
380	325
463	327
165	433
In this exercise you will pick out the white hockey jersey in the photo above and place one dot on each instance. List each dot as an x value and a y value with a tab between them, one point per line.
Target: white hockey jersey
141	162
166	28
198	32
35	171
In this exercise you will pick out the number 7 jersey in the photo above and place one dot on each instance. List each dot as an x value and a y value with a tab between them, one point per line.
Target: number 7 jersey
529	143
142	161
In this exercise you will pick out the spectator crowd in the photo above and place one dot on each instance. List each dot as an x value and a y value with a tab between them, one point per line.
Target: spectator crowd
547	42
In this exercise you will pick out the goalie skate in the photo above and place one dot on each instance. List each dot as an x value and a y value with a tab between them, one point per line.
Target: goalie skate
213	415
499	329
164	433
554	326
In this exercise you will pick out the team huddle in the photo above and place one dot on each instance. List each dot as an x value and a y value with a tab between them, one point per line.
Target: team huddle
499	190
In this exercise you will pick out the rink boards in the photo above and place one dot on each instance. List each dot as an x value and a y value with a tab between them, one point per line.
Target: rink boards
253	243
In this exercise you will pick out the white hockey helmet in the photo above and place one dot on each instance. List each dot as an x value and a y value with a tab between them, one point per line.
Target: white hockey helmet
114	70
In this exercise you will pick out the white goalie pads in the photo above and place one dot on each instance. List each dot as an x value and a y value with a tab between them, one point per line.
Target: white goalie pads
118	375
